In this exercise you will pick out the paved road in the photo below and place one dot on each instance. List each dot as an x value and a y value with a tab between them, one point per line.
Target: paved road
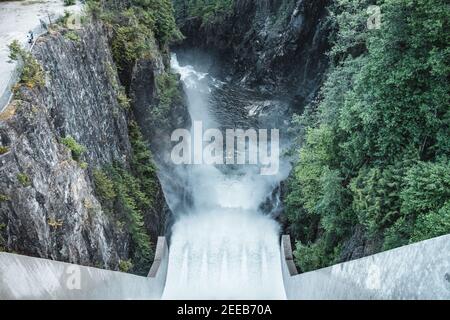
16	19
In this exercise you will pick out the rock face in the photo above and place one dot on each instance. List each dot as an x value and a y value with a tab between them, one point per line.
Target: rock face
145	98
276	45
275	49
48	206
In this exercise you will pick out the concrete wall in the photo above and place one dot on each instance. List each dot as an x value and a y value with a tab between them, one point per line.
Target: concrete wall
23	277
416	271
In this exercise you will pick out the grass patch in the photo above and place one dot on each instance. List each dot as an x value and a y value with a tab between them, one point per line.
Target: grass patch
125	265
3	150
76	149
73	36
23	179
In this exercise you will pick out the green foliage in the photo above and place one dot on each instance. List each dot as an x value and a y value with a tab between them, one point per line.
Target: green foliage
125	265
3	197
24	179
131	201
83	165
207	10
374	148
169	94
3	150
376	198
131	42
123	100
76	149
313	256
131	193
93	8
104	187
15	50
433	224
142	162
426	187
31	74
65	18
73	36
69	2
137	27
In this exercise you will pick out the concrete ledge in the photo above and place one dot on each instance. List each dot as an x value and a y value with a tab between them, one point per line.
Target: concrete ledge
161	258
23	277
288	257
417	271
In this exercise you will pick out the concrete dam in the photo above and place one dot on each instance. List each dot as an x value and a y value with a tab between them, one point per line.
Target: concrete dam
417	271
224	248
226	243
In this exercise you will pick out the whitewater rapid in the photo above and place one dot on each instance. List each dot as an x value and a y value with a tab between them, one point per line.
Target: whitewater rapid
224	247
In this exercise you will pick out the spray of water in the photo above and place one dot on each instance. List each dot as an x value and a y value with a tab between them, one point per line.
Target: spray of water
224	247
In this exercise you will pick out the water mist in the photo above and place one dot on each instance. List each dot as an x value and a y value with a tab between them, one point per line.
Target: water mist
224	247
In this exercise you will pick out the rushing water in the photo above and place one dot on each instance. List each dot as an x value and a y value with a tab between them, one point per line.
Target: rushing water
224	247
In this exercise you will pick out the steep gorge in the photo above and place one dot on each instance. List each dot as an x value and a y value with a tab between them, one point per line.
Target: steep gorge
274	46
78	181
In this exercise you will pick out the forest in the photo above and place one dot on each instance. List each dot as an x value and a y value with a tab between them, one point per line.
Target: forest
373	149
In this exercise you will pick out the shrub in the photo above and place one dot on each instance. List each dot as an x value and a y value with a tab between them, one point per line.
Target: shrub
76	149
139	29
24	179
3	149
32	73
142	161
15	50
376	197
93	8
83	165
104	187
131	200
125	265
73	36
123	100
169	94
313	256
3	197
69	2
65	18
433	224
131	193
206	10
55	224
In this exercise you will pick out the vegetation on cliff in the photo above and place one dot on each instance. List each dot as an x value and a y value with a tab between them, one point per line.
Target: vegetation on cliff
31	72
374	155
206	10
140	28
127	194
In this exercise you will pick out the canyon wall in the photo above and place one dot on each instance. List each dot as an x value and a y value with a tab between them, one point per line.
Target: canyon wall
277	46
50	205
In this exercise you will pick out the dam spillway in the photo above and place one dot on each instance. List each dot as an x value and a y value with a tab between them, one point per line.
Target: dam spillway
224	247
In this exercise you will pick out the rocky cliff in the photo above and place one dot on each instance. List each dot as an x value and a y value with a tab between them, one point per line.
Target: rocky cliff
273	53
277	46
53	198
